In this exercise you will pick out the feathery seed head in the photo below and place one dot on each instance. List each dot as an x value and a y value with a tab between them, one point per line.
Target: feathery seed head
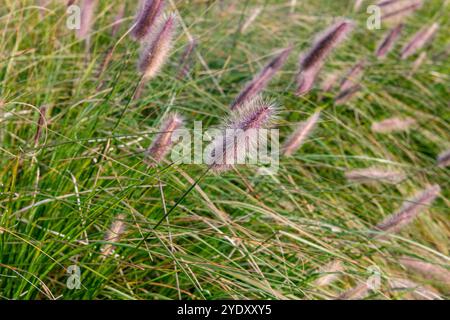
240	133
156	48
393	124
409	211
346	95
312	61
388	42
298	137
186	59
146	18
114	234
331	272
352	76
428	270
397	10
416	290
443	159
261	80
87	18
373	174
419	40
162	143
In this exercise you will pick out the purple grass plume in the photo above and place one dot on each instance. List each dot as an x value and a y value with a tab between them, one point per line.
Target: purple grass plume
419	40
344	96
114	234
87	18
373	174
260	81
388	42
240	134
418	63
397	10
157	47
146	18
329	273
443	160
409	210
356	293
352	76
427	270
163	143
413	289
155	50
186	59
298	137
312	61
394	124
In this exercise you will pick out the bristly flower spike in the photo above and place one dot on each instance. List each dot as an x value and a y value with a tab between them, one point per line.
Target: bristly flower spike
352	76
87	18
260	81
443	159
239	132
298	137
146	18
399	9
186	59
426	269
408	211
312	61
419	40
114	234
394	124
387	44
162	143
373	174
155	50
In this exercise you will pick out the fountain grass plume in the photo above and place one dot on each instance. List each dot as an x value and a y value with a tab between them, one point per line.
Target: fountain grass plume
186	59
399	9
443	160
114	234
374	174
428	270
419	40
86	18
356	293
352	76
298	137
162	143
394	124
409	210
312	61
344	96
146	18
260	81
388	42
330	273
243	126
416	290
155	50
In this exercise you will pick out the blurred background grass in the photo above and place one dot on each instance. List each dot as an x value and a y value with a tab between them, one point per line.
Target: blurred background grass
59	198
